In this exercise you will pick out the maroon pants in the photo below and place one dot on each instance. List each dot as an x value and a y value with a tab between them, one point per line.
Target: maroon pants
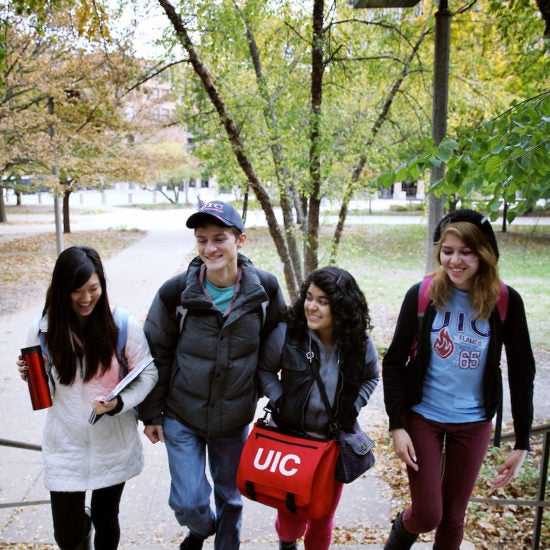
317	533
439	495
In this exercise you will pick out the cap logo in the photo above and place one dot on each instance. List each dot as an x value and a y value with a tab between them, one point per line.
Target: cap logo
213	205
216	210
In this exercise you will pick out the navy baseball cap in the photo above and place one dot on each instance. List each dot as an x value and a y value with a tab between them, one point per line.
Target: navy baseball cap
217	212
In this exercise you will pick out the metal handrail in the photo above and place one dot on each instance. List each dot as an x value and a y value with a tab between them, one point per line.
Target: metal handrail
20	445
30	447
540	503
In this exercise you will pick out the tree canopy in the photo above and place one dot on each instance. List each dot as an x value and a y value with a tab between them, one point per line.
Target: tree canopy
497	155
315	99
302	102
64	120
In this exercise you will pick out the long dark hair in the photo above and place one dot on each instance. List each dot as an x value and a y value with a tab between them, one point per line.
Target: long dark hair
348	305
96	339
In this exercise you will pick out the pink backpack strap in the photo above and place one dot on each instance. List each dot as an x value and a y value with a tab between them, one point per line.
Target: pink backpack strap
424	294
502	301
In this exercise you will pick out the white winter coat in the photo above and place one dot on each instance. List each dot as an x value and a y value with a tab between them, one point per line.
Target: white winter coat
79	456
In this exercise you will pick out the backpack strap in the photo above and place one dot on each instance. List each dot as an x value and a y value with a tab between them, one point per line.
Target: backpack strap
120	316
502	301
424	295
181	312
44	345
270	289
170	295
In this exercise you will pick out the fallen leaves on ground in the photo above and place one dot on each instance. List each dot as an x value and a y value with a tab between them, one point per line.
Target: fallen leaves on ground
488	526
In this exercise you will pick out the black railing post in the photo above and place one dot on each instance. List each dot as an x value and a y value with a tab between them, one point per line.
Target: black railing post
540	503
541	492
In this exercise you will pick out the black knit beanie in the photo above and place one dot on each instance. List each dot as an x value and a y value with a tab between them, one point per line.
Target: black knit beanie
470	216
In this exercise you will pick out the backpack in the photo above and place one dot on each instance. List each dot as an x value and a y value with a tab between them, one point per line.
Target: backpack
120	316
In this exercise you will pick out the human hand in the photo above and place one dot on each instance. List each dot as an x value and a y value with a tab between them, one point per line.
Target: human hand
510	468
404	448
22	368
100	406
154	433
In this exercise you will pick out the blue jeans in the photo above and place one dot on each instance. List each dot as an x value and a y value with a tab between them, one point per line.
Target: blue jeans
190	490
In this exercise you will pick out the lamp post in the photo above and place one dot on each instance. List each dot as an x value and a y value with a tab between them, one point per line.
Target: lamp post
439	102
436	205
56	204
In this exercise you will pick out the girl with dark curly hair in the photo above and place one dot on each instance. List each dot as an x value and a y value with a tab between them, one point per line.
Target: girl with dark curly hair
328	324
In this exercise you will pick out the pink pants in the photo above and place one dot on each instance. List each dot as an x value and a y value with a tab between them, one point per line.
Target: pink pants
439	498
318	532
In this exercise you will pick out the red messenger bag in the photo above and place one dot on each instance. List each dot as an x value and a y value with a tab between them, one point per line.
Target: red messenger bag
288	472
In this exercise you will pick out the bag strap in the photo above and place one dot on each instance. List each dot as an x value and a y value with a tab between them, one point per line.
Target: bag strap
120	316
44	345
333	425
424	295
502	301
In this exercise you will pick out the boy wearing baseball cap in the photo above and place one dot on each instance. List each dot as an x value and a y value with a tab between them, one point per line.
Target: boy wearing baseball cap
205	327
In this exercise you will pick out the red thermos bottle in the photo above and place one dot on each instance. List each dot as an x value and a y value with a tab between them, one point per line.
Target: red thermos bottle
37	378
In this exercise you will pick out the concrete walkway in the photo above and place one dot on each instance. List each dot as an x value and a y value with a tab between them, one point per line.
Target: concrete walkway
147	522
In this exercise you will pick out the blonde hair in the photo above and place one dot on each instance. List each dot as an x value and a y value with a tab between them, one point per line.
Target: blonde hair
486	285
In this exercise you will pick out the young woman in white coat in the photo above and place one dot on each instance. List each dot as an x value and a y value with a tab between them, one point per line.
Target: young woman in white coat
81	338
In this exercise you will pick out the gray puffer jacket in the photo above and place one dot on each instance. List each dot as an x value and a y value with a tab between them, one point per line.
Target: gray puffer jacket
207	371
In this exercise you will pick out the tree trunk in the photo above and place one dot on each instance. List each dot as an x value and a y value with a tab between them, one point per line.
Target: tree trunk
3	214
504	217
282	173
317	73
360	165
66	211
236	143
436	207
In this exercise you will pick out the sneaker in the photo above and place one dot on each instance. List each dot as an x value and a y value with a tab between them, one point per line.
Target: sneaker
288	545
192	542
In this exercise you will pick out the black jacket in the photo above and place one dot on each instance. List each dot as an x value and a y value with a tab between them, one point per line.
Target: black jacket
403	381
291	394
207	370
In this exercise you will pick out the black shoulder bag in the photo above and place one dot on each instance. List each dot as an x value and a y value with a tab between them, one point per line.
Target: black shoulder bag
356	455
